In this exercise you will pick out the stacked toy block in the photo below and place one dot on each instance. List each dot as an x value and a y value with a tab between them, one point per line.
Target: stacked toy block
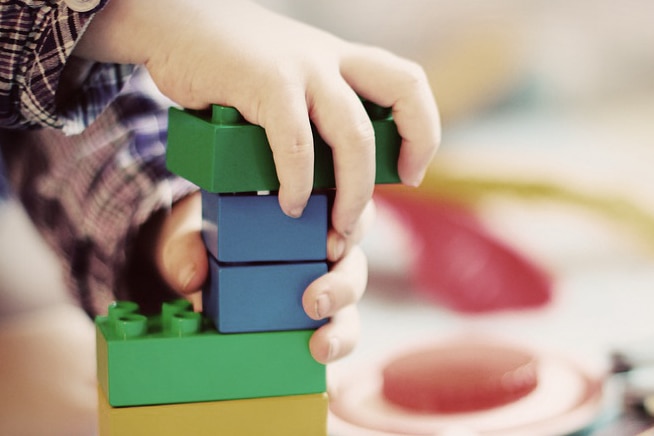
261	261
243	366
174	372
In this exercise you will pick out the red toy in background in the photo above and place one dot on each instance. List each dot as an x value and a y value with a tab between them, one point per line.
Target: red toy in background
459	264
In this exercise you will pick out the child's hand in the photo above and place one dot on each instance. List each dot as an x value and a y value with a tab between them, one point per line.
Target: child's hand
175	243
181	259
335	294
281	75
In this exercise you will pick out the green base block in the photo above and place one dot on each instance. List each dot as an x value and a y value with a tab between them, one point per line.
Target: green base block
220	152
179	357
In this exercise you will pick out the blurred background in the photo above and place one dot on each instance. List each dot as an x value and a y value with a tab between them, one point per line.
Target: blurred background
534	226
547	111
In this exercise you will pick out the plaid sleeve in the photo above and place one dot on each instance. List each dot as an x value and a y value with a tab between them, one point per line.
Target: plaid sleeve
90	193
37	38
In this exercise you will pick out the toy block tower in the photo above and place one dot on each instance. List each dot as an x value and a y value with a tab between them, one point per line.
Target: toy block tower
243	366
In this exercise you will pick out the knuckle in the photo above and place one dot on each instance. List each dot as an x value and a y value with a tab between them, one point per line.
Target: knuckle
298	150
348	294
361	135
286	78
414	75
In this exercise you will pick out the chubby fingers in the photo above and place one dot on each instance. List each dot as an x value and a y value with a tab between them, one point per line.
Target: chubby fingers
343	123
289	133
329	99
341	120
338	338
334	296
394	82
180	255
339	245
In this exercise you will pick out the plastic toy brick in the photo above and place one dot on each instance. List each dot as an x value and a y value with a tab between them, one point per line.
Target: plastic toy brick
220	152
253	228
304	415
179	357
260	297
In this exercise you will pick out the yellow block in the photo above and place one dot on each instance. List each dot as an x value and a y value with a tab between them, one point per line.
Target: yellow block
304	415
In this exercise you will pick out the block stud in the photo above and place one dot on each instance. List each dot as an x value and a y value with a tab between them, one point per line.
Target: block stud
171	308
130	326
226	115
185	324
118	309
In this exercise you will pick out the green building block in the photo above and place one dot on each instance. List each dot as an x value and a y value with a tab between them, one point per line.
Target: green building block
220	152
179	357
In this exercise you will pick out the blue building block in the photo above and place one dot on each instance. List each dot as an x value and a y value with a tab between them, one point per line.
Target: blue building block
253	228
260	297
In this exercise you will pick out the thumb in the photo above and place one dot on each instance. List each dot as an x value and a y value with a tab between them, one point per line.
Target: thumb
185	264
181	257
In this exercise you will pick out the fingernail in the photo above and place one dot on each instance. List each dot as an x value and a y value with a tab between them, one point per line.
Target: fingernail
295	212
336	248
334	349
186	275
323	306
416	180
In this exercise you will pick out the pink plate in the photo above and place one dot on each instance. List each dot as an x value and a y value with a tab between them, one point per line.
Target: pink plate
567	399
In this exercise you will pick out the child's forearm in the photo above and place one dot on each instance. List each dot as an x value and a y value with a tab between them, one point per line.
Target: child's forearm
126	31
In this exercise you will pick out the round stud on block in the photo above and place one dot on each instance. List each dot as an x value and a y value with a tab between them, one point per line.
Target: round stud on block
460	377
118	309
226	115
131	326
172	308
185	324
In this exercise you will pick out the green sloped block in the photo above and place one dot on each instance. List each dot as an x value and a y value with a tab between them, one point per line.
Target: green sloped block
220	152
179	357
